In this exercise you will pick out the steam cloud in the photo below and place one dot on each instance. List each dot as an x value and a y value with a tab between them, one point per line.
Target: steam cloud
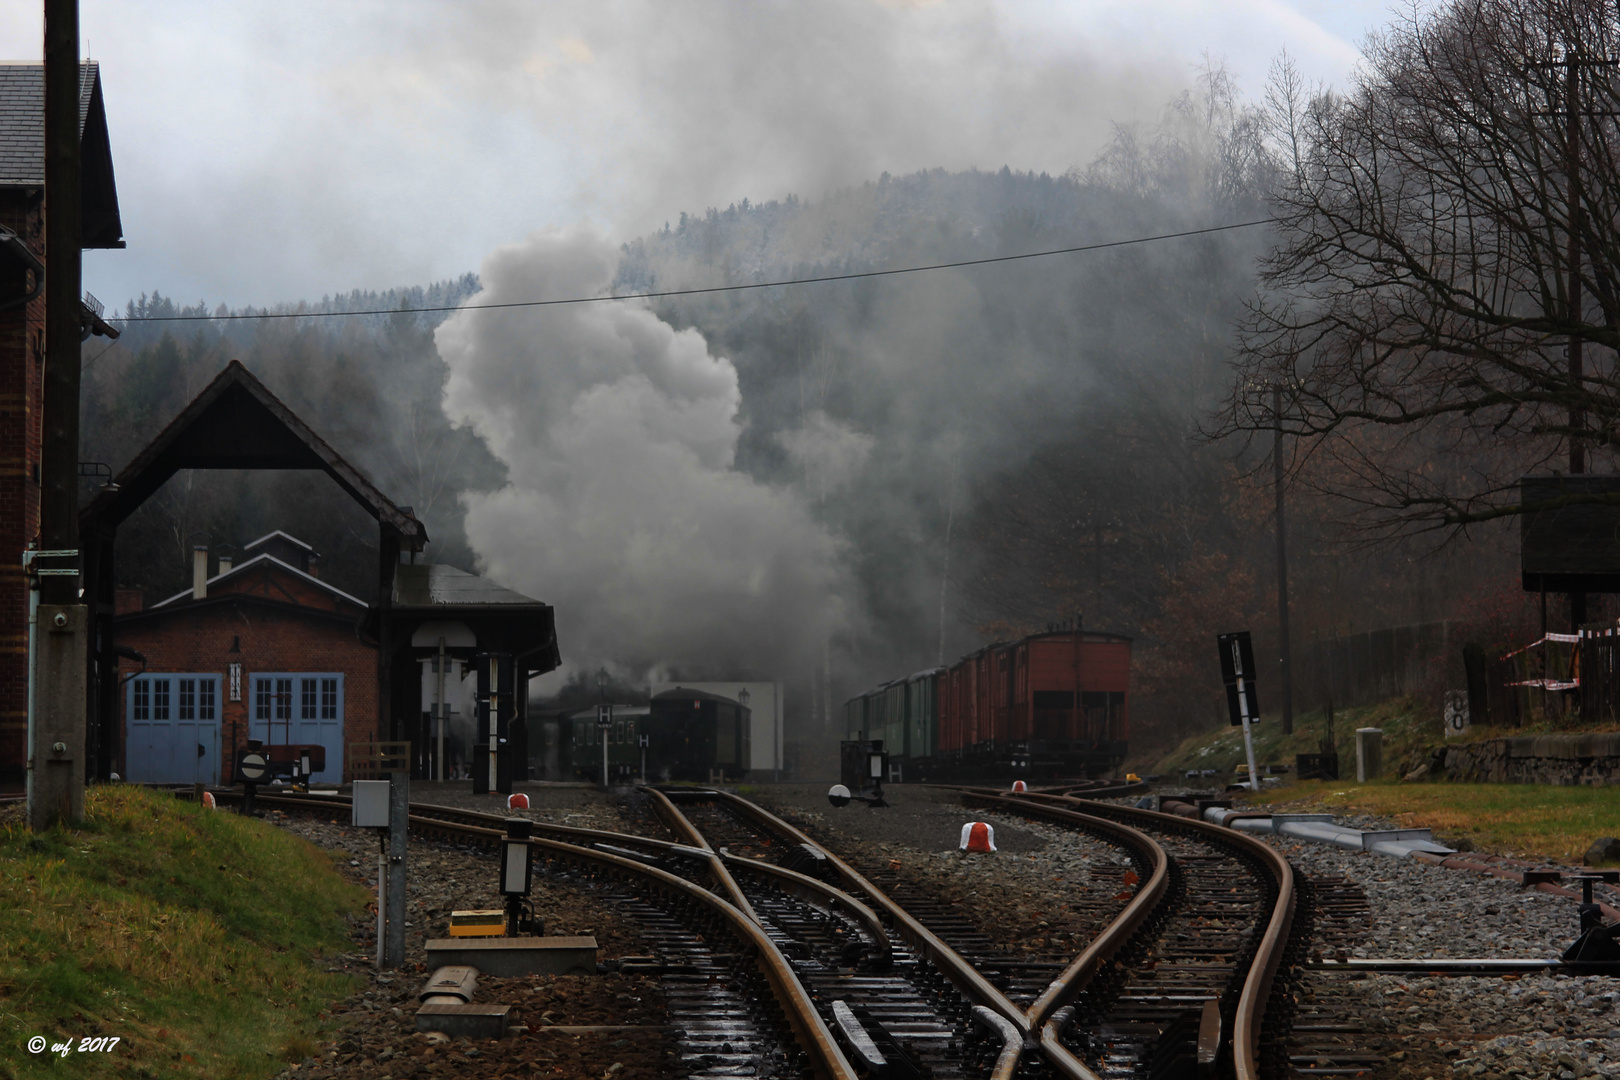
623	507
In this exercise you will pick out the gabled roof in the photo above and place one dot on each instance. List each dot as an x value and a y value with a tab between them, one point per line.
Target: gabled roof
22	146
264	561
251	544
236	423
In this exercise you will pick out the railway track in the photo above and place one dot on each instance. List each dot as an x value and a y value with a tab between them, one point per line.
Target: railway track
870	976
926	1012
733	999
1186	980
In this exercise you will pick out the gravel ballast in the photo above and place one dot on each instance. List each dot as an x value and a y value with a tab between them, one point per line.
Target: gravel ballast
1535	1026
1040	892
376	1037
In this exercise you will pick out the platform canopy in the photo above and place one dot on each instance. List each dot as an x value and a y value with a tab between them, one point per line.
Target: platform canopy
235	423
493	618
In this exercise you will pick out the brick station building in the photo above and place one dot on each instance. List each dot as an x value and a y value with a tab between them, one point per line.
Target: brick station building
262	649
22	347
266	649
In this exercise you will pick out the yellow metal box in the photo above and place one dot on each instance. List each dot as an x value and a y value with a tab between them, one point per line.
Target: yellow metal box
478	923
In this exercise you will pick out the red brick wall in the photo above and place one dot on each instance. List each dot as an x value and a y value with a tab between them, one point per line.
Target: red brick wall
190	639
22	339
273	583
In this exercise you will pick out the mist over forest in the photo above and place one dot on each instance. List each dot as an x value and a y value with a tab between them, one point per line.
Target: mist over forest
832	484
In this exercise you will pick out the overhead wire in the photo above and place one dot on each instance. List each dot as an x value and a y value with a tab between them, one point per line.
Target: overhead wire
701	290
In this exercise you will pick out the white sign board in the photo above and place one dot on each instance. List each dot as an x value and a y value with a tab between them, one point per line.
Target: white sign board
1456	713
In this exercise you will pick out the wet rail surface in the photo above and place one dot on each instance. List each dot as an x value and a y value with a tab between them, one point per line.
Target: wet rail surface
898	1013
1192	986
1176	983
1328	1035
733	1001
1178	976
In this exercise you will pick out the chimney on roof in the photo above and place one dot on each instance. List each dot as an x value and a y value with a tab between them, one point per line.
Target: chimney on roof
224	562
199	572
314	564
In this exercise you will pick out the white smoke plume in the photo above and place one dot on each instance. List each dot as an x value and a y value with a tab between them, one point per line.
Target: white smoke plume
623	507
827	451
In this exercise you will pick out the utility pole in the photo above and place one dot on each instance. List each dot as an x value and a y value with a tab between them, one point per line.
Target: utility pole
1284	661
1577	415
60	630
1572	63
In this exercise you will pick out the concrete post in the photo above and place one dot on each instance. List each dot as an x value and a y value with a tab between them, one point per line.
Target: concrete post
399	802
1369	753
56	732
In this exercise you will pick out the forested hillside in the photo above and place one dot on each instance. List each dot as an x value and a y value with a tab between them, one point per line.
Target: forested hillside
996	447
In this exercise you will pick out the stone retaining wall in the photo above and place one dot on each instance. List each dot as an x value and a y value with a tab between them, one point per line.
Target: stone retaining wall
1592	758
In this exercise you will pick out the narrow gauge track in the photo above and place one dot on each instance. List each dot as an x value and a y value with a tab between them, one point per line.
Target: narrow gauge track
749	828
1193	984
920	1010
741	1010
834	928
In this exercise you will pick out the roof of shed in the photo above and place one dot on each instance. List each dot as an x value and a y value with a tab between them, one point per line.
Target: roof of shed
22	145
264	561
438	585
237	423
687	693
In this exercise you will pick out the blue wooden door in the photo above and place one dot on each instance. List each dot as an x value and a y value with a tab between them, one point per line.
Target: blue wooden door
172	729
291	708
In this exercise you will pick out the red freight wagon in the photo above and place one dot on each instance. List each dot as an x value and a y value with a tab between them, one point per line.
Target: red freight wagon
1052	704
1072	687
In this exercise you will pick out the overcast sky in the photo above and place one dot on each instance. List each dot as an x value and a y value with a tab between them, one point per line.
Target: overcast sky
268	152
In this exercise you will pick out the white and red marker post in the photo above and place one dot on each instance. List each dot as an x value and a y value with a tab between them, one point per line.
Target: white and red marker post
978	836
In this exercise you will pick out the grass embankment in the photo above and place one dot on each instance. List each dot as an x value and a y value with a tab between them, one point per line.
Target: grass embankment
189	934
1533	821
1529	820
1408	724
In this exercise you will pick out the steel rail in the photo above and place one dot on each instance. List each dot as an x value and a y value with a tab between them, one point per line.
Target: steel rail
963	975
814	1036
802	886
1268	954
818	893
1098	789
1114	937
678	824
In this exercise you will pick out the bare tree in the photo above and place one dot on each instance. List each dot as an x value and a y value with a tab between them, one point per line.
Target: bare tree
1450	235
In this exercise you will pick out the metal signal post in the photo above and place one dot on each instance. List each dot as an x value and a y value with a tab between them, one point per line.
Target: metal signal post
604	726
1242	703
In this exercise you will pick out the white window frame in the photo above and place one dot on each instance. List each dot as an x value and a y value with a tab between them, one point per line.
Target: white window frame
296	697
148	681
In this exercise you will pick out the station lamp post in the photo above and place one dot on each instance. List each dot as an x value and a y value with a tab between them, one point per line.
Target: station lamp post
604	720
743	697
